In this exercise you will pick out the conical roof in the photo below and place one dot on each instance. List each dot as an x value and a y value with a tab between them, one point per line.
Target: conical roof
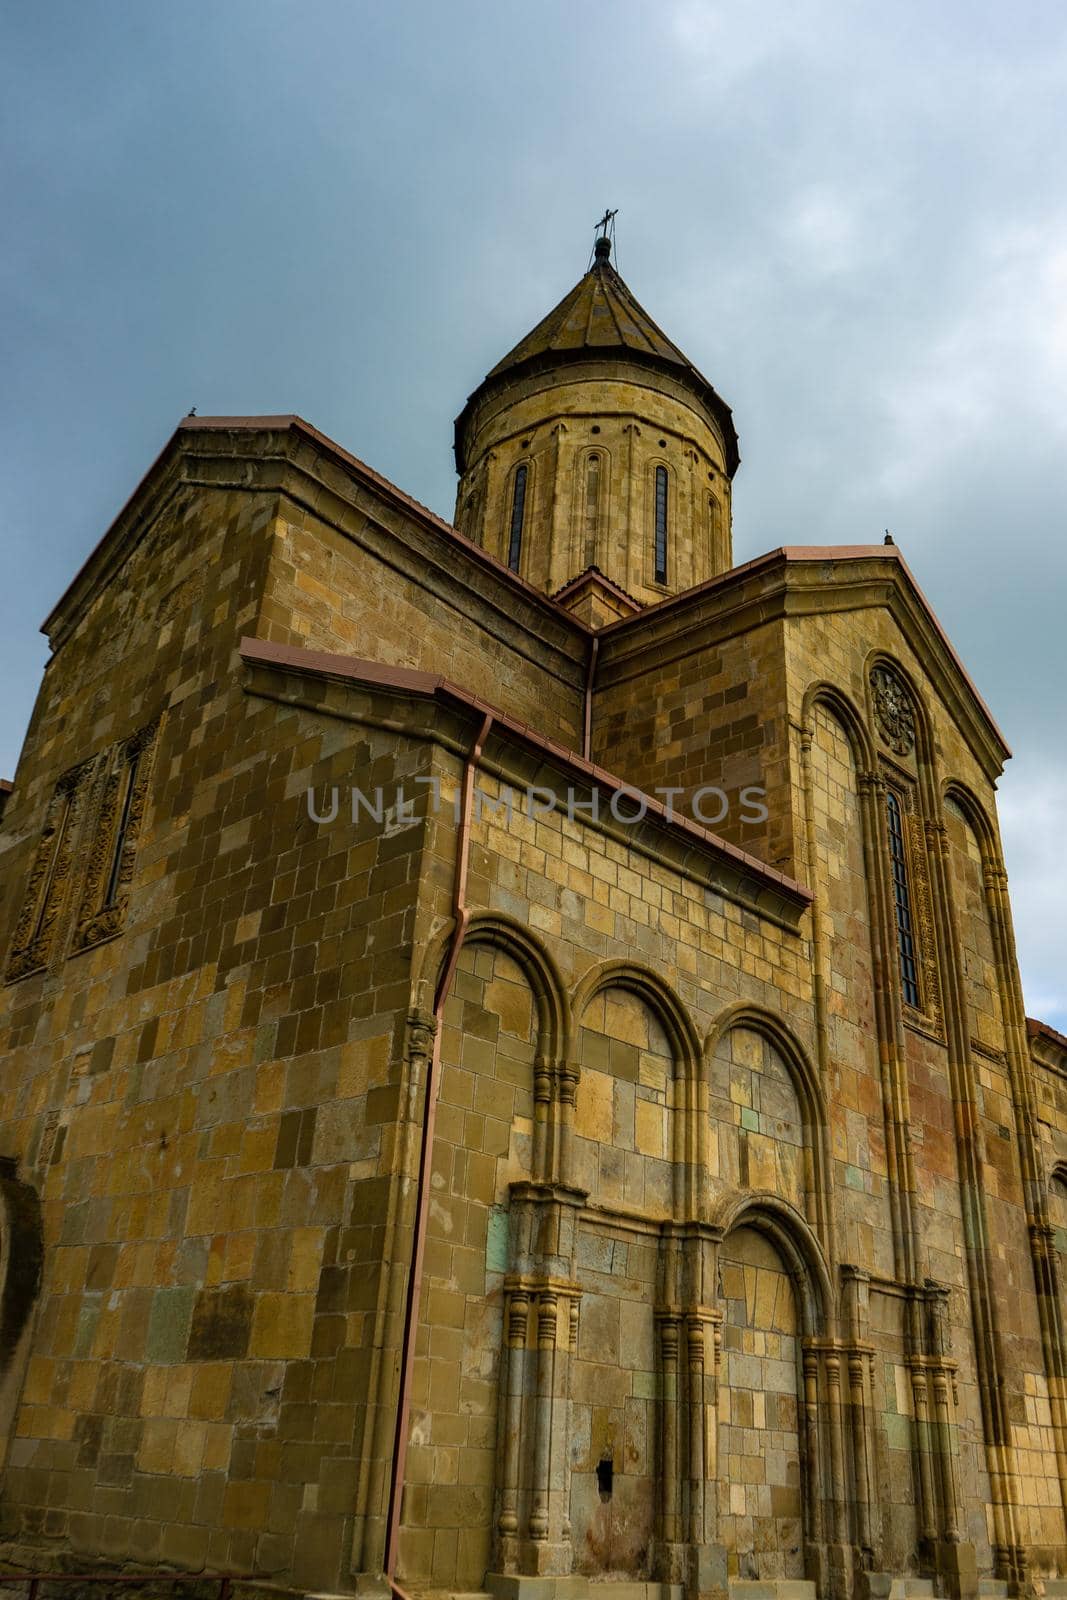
598	319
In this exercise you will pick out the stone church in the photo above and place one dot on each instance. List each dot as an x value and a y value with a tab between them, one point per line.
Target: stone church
514	1068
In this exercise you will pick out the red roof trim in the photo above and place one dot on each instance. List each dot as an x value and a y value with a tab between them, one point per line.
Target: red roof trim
1042	1030
593	574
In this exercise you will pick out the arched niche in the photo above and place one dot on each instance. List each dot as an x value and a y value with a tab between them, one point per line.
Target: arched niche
969	841
760	1419
768	1113
761	1140
776	1302
21	1262
635	1051
1057	1207
504	1015
840	876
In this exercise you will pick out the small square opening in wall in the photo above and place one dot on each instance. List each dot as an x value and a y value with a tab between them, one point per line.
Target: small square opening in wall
605	1475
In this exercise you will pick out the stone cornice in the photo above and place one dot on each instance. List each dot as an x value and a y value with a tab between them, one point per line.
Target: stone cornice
1047	1047
285	456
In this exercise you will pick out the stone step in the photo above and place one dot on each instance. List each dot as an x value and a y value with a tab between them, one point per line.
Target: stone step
504	1586
1055	1588
771	1589
623	1589
993	1588
911	1589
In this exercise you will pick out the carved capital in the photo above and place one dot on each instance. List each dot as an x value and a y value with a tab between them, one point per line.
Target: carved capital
517	1318
420	1030
542	1084
568	1074
547	1308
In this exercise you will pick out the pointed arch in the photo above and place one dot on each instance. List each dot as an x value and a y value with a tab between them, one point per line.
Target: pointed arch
657	995
778	1033
841	706
811	1095
506	933
963	796
796	1243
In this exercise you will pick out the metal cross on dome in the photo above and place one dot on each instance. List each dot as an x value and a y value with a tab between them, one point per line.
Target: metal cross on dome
604	229
606	222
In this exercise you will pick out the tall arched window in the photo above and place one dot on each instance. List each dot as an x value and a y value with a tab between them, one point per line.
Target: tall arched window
714	528
518	508
661	524
909	967
592	506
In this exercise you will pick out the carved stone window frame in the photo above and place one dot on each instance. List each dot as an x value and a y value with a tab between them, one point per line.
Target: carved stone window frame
46	892
112	850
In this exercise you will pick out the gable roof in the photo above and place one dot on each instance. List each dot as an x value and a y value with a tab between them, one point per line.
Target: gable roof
136	515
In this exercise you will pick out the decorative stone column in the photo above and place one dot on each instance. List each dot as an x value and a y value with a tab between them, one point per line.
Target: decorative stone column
859	1358
668	1326
516	1336
541	1312
706	1575
927	1513
840	1552
689	1345
812	1508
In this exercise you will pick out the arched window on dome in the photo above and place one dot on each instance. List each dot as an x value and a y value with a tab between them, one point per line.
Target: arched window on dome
518	512
714	531
661	525
592	506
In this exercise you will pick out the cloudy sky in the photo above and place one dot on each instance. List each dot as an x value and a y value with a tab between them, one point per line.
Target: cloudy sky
851	216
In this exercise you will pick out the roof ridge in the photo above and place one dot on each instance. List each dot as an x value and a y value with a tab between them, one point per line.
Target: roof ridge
592	303
615	279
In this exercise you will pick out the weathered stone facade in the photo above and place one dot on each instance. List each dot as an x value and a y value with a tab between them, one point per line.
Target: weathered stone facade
511	1195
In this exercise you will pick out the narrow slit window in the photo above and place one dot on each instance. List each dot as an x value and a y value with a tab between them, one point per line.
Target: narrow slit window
518	510
592	507
661	524
714	528
909	967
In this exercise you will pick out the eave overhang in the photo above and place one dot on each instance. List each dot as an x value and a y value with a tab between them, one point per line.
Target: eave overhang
1047	1047
290	457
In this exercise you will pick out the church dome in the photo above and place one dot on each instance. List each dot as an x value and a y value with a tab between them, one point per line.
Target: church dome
599	318
596	445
